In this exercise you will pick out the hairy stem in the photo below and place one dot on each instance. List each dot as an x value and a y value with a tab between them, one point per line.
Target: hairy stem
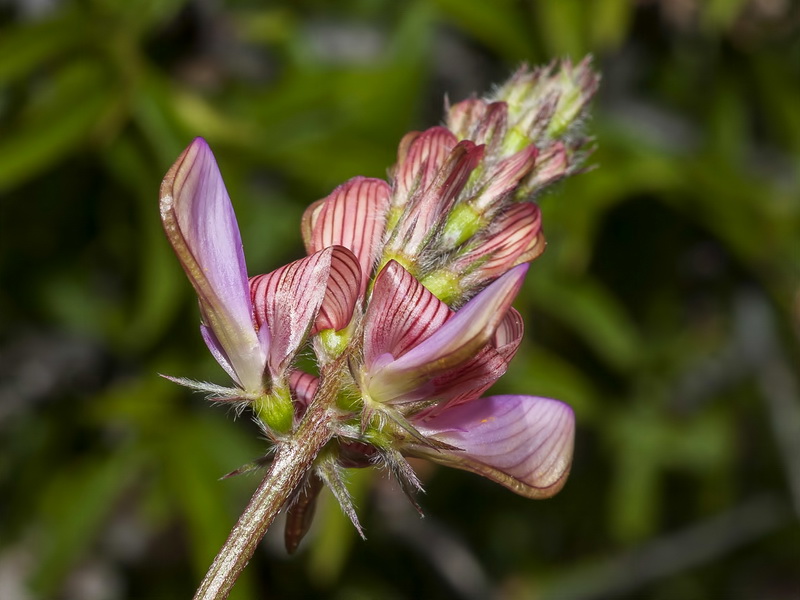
292	460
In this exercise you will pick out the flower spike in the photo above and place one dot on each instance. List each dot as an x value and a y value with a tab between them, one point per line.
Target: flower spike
401	310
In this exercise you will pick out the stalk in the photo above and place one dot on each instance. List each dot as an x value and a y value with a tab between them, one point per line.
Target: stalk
292	461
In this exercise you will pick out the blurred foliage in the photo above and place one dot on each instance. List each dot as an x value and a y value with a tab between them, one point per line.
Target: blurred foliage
666	309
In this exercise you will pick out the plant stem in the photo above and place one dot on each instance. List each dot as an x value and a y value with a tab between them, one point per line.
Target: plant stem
292	460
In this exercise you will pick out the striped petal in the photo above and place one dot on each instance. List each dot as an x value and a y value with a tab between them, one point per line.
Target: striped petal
491	129
464	117
201	226
401	314
522	442
304	386
420	161
353	216
304	297
505	177
429	205
457	340
514	237
471	379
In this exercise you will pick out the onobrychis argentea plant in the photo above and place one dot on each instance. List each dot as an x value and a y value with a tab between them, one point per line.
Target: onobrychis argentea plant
404	301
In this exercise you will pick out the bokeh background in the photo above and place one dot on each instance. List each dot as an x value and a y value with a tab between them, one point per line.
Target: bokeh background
665	309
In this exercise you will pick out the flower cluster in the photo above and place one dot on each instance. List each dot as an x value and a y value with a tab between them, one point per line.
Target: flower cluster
404	297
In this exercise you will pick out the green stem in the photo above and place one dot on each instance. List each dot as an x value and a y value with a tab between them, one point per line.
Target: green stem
292	461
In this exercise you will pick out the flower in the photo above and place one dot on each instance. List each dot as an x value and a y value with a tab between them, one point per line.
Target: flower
253	327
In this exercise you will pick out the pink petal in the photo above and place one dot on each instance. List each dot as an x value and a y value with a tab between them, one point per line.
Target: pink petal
353	216
469	380
300	299
522	442
464	117
309	222
418	166
491	129
304	386
455	342
552	164
201	226
514	237
429	205
505	177
401	314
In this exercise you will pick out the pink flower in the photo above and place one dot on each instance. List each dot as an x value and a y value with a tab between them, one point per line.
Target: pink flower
253	327
431	364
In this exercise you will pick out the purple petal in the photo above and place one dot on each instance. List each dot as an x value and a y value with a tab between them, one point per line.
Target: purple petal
299	299
218	352
201	226
522	442
508	334
353	216
455	342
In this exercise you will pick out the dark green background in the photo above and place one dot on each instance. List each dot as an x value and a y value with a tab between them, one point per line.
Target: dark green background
665	309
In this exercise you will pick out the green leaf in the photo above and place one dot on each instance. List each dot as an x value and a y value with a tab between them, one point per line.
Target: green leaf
25	48
70	110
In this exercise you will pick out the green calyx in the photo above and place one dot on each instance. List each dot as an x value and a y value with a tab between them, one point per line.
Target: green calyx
275	410
462	223
349	399
379	437
334	341
516	139
444	284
